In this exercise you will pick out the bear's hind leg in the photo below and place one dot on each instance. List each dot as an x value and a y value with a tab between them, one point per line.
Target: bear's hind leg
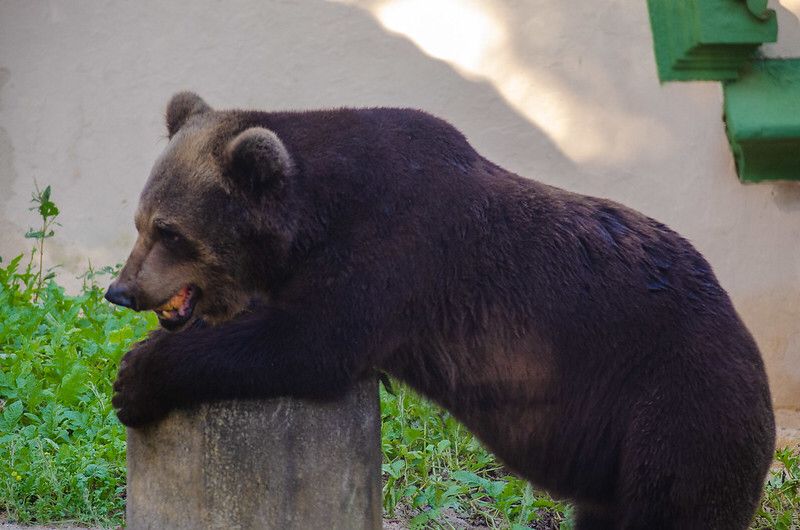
687	477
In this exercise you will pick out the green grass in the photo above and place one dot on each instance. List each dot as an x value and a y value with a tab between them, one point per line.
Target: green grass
780	505
62	450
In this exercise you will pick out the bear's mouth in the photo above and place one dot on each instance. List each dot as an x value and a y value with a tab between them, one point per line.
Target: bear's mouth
177	311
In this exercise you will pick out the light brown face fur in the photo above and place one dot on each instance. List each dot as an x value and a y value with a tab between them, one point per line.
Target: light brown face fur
175	247
184	238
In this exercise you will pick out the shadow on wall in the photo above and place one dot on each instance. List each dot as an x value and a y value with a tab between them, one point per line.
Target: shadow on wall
562	71
352	60
589	82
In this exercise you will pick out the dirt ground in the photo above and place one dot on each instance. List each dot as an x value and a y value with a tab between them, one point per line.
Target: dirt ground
399	523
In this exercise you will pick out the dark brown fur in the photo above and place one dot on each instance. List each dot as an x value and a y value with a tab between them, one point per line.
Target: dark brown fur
590	347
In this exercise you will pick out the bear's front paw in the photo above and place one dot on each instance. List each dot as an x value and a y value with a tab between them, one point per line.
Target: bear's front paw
139	396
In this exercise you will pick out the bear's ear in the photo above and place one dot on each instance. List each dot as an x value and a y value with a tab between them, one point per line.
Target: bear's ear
257	161
181	107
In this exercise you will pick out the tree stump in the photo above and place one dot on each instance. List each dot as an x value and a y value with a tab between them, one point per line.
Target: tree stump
281	463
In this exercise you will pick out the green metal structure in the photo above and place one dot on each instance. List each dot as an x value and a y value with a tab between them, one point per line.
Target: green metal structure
708	40
762	113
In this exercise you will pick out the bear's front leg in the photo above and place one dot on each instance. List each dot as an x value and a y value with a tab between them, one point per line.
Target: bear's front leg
260	355
139	391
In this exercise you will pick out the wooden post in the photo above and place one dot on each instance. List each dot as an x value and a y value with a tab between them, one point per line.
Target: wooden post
282	464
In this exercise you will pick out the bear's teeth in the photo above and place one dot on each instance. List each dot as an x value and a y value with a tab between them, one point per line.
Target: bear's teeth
177	301
179	306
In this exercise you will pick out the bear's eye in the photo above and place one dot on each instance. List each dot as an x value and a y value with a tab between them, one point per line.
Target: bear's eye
174	241
169	236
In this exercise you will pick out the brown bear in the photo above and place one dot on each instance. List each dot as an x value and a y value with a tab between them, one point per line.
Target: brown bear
587	345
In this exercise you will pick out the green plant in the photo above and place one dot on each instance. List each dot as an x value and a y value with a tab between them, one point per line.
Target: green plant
48	211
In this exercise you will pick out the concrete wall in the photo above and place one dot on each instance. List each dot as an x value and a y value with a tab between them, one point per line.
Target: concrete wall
564	92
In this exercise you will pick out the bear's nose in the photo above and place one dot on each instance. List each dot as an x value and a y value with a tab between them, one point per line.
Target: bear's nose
120	294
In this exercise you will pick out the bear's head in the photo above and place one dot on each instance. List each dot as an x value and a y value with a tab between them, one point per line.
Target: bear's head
215	219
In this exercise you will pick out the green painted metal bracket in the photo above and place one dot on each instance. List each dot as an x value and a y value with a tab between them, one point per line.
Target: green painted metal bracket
759	9
762	113
708	40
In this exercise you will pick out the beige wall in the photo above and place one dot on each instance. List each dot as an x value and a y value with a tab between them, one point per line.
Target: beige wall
561	91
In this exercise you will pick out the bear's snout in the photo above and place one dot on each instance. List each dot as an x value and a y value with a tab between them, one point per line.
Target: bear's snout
120	294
